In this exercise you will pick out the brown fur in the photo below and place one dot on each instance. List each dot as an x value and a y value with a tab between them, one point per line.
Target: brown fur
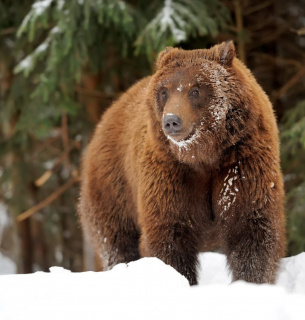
217	183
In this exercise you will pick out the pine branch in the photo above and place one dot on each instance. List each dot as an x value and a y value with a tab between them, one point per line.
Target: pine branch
176	21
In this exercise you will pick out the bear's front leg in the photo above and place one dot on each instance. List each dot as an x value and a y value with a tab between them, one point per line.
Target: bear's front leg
166	217
173	243
253	248
248	202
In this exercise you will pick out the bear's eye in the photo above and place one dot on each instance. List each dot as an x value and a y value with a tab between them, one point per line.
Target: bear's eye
194	92
164	95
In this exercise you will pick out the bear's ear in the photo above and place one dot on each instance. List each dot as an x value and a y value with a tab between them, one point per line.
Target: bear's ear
225	53
165	57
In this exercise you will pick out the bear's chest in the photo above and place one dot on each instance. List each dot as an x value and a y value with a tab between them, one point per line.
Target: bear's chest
198	196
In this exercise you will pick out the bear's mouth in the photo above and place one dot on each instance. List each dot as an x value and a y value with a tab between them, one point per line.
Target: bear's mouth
186	140
190	135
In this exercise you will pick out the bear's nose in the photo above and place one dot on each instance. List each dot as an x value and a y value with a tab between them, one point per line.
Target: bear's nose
172	123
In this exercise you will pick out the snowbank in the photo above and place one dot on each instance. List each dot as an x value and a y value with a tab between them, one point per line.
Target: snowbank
149	289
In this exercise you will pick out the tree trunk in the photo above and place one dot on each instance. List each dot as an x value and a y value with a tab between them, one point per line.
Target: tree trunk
90	82
24	230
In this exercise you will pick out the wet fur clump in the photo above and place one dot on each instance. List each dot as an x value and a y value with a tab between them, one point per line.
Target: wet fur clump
186	161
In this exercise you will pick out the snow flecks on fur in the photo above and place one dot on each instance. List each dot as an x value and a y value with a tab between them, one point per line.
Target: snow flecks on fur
229	191
180	88
107	258
219	104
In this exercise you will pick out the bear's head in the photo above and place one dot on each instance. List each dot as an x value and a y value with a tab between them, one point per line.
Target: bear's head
201	102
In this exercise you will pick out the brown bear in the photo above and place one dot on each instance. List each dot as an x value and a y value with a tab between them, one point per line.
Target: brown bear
186	161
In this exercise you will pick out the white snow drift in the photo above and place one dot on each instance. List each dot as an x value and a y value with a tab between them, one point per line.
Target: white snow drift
149	289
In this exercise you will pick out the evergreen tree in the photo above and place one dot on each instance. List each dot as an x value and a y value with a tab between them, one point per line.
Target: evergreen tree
293	156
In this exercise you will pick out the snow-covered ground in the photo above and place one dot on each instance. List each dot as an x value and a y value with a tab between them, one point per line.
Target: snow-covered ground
149	289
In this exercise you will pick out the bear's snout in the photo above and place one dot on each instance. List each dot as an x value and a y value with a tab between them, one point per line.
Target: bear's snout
172	124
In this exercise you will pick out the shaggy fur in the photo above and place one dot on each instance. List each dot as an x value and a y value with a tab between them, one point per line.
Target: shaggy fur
215	183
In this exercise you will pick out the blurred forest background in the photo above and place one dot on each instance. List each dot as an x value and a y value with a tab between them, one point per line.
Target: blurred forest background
63	62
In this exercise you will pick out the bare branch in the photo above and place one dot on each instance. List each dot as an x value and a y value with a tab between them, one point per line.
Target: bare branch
65	140
47	174
53	196
7	31
257	7
299	32
289	84
279	60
